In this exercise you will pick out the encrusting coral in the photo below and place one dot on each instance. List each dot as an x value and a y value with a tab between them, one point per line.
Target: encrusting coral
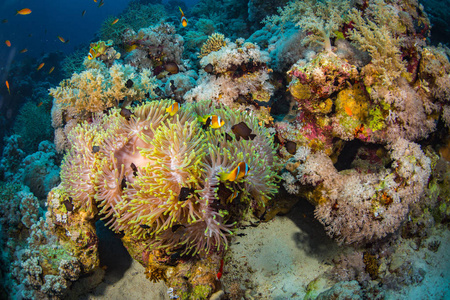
158	179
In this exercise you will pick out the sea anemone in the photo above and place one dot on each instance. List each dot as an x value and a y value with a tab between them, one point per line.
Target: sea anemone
157	178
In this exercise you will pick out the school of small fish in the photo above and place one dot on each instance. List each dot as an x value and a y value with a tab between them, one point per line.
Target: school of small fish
92	52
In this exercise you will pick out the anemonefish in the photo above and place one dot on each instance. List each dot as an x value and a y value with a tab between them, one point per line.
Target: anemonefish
40	66
212	121
93	53
240	171
7	86
183	18
8	43
172	110
232	196
23	11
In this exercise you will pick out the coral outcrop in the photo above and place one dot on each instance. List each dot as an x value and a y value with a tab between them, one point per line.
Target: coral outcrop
235	75
159	180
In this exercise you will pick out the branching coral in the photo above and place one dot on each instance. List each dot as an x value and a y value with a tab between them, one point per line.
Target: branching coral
214	43
156	178
136	16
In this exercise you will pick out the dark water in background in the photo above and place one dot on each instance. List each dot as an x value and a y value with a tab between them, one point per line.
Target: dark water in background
49	19
38	32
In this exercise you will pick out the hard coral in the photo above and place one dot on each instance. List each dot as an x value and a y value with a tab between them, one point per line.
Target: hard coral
214	43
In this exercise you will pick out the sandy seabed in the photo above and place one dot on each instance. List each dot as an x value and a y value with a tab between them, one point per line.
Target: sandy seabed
275	260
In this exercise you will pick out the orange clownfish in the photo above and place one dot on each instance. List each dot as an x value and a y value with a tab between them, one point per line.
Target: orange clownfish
172	110
40	66
8	43
183	18
212	121
7	86
23	11
240	171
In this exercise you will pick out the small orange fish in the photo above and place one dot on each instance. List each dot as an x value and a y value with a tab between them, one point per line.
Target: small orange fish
23	11
95	1
115	21
40	103
348	111
51	70
23	50
239	172
8	43
62	39
7	86
172	110
40	66
183	18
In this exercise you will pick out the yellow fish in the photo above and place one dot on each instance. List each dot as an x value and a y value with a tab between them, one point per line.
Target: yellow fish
51	70
115	21
212	121
172	110
183	18
40	66
239	172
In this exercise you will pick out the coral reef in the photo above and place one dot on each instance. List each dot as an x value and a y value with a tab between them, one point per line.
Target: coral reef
136	16
33	124
160	43
214	43
237	76
94	90
158	179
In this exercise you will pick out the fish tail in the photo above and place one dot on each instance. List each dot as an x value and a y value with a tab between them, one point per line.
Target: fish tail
225	176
